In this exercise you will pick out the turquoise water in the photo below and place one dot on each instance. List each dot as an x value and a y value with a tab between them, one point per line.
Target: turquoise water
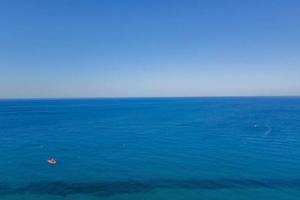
152	148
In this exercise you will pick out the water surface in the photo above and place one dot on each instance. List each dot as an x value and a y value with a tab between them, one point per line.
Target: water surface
152	148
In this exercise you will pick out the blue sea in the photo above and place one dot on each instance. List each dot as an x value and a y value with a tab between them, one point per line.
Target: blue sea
150	148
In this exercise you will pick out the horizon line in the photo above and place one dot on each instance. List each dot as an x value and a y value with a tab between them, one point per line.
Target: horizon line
149	97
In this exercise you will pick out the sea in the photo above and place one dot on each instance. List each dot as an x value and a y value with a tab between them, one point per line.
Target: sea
210	148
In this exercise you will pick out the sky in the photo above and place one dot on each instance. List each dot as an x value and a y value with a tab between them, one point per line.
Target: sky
142	48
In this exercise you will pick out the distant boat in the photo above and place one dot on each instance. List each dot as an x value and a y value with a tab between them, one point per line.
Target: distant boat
52	161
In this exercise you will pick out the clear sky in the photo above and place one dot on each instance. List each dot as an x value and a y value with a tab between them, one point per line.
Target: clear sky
112	48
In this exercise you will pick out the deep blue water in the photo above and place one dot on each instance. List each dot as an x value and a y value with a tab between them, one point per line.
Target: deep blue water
152	148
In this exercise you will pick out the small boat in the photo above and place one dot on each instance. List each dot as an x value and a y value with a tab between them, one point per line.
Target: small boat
52	161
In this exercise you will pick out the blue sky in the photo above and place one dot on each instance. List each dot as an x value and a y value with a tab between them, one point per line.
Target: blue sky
132	48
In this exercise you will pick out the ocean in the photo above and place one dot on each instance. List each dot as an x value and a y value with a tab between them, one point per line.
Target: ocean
226	148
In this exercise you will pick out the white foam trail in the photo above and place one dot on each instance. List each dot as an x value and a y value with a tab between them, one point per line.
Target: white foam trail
269	130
